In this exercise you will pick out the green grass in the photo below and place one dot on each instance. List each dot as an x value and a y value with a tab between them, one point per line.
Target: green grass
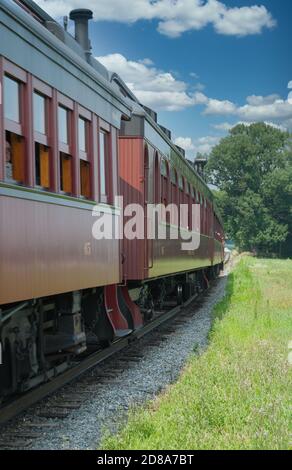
236	395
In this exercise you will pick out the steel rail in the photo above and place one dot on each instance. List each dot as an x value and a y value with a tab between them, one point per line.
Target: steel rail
13	408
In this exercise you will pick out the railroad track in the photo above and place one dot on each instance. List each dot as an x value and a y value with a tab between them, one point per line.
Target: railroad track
116	357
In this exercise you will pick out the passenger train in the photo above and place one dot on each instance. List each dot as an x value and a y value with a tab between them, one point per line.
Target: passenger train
73	137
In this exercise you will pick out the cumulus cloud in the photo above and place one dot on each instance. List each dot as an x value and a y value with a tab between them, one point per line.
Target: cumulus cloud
219	107
269	109
205	144
228	126
153	87
185	142
262	100
174	16
161	90
278	110
202	145
244	21
224	126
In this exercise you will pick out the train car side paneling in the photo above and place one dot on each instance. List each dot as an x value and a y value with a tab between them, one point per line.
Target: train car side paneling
47	247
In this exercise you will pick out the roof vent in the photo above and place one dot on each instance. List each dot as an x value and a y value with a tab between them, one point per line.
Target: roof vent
151	113
165	131
181	150
81	18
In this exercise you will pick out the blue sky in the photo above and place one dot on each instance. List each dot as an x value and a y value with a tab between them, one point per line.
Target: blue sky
204	65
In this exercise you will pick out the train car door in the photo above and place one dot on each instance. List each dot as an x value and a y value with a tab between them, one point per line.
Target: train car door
148	245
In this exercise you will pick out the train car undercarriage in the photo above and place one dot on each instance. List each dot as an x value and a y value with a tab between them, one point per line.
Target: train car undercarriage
42	338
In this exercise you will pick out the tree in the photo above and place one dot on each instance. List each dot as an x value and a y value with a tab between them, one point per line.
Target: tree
252	169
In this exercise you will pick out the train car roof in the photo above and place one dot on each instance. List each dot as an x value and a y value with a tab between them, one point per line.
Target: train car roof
34	28
139	110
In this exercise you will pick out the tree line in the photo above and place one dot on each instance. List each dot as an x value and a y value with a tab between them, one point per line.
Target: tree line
251	170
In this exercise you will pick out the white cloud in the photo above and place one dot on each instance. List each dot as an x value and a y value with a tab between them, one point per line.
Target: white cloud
202	145
290	85
161	90
205	145
155	88
278	110
244	21
269	109
185	143
219	107
262	100
199	86
174	16
227	126
224	126
196	76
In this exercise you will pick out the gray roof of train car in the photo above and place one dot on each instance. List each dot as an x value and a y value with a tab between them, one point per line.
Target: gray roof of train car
28	43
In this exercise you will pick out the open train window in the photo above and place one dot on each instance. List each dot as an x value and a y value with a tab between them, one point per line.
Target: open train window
66	173
14	161
84	149
42	166
85	190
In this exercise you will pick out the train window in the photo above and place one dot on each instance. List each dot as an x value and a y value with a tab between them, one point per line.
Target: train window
42	166
184	201
41	108
189	203
103	159
85	167
163	168
39	113
164	187
11	99
14	163
63	125
82	131
173	175
174	196
85	190
66	173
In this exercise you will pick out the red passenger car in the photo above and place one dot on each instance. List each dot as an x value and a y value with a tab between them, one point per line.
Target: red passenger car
72	138
59	124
